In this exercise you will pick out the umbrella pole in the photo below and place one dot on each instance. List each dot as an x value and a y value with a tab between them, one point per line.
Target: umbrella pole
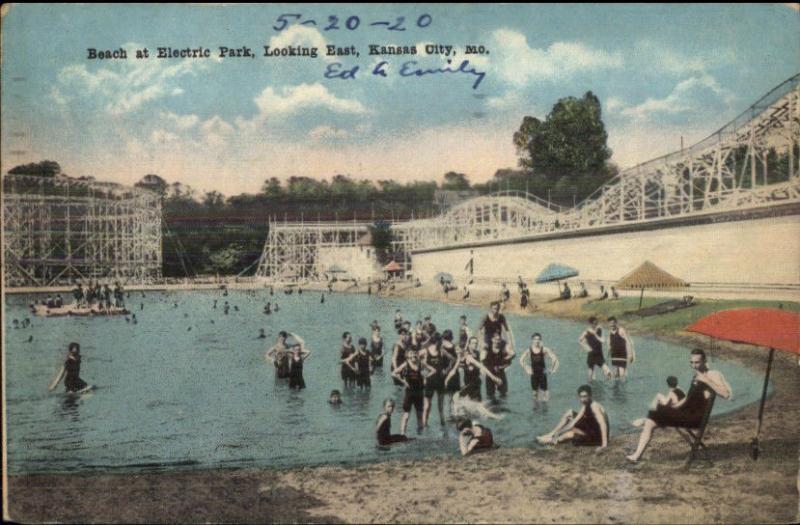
641	296
763	398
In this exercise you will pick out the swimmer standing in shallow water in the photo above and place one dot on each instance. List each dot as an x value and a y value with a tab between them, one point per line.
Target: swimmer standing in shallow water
70	372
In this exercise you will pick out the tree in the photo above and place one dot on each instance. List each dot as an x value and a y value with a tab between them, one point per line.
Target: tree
381	232
45	168
214	200
153	183
455	181
225	260
272	188
570	144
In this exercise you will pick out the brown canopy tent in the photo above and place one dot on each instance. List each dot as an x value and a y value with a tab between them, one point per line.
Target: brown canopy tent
392	267
648	275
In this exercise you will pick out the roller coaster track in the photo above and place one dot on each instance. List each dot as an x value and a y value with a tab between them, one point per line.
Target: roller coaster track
751	162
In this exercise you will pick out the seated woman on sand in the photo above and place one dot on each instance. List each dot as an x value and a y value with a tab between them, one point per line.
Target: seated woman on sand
689	412
586	427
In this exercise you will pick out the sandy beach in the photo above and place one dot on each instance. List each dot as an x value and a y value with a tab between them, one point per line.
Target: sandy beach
508	485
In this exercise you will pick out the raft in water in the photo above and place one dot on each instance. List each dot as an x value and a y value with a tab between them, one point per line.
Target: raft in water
42	310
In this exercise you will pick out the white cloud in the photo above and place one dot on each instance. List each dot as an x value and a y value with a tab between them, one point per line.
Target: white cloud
520	64
614	104
509	100
161	136
688	95
180	121
653	56
125	85
327	132
216	130
270	103
301	36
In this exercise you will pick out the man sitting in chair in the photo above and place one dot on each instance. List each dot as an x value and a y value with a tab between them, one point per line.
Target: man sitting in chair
689	413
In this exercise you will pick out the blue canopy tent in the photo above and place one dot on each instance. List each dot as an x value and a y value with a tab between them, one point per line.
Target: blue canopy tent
443	277
556	272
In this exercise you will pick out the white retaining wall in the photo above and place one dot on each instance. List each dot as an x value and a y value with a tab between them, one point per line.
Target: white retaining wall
750	252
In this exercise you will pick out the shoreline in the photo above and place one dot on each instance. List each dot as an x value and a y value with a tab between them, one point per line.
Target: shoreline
562	484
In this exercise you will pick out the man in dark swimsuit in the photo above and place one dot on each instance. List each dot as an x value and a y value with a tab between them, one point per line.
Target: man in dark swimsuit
493	323
399	351
538	355
360	363
464	333
688	413
279	355
410	375
498	358
586	427
620	349
348	376
591	340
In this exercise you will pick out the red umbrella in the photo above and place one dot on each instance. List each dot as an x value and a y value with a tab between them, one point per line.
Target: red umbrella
766	327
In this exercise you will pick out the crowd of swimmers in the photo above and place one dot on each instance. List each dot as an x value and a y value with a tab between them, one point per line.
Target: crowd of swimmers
97	295
455	371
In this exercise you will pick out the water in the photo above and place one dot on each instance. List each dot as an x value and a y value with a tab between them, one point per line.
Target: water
171	398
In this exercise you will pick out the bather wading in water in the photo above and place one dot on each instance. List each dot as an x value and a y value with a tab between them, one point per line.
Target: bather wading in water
71	371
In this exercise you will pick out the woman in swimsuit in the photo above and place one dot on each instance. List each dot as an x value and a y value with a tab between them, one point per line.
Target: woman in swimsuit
71	371
383	427
376	346
299	355
467	362
360	362
473	437
348	376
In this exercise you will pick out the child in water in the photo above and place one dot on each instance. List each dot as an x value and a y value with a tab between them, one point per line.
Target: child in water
335	398
383	427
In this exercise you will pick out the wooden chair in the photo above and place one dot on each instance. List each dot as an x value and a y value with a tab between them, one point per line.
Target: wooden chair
694	436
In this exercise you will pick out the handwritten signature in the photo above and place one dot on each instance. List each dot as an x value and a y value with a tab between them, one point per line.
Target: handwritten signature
410	68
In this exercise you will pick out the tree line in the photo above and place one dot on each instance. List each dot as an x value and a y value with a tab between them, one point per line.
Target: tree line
562	158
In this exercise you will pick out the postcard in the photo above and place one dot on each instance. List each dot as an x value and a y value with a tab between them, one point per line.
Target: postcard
400	263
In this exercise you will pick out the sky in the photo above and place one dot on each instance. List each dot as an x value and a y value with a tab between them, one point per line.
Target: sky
661	72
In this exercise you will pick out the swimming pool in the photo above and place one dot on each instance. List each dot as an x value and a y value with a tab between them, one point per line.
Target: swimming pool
188	387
